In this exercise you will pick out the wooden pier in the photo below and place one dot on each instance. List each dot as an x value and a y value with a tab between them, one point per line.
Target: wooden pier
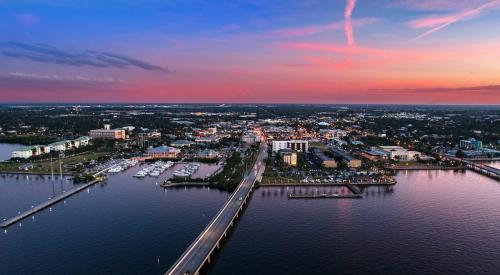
46	204
56	199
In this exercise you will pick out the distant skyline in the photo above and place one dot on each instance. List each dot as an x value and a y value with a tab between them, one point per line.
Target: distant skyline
250	51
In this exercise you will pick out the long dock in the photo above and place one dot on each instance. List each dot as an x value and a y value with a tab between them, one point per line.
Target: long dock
46	204
326	184
53	201
325	196
200	252
184	184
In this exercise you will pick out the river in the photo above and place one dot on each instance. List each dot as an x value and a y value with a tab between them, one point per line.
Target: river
430	222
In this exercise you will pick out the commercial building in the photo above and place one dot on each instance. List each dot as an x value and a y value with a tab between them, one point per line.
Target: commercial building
107	134
207	154
332	133
324	160
351	161
375	154
206	139
250	137
470	144
181	143
115	134
399	153
162	152
289	157
294	145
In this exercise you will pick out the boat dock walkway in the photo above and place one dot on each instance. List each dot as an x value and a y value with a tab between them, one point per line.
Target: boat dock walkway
303	184
53	200
46	204
325	196
184	184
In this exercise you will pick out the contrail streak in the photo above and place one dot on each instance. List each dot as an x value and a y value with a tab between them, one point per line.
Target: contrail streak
350	4
459	17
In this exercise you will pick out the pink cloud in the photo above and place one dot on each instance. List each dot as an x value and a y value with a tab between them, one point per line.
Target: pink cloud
316	29
438	23
436	5
350	4
430	22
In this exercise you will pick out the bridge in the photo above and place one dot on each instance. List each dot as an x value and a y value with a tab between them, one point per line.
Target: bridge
200	251
486	170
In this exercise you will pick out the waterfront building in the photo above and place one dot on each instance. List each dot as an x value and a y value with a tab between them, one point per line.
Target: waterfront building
24	152
470	144
60	146
163	152
294	145
399	153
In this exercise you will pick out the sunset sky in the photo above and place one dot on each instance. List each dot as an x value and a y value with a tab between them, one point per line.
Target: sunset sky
255	51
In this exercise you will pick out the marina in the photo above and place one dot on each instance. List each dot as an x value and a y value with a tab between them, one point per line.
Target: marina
187	171
155	169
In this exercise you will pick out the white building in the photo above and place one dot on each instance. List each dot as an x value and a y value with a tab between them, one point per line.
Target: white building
25	152
294	145
400	153
332	133
59	146
251	137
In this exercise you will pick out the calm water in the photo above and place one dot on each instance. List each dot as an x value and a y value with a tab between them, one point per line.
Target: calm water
6	150
495	164
121	227
431	222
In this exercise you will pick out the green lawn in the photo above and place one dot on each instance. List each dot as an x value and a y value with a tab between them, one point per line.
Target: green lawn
44	166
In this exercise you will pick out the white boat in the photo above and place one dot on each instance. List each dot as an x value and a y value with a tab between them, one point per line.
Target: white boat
140	174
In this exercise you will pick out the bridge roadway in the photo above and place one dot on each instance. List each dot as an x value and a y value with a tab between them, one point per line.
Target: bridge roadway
480	168
199	252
